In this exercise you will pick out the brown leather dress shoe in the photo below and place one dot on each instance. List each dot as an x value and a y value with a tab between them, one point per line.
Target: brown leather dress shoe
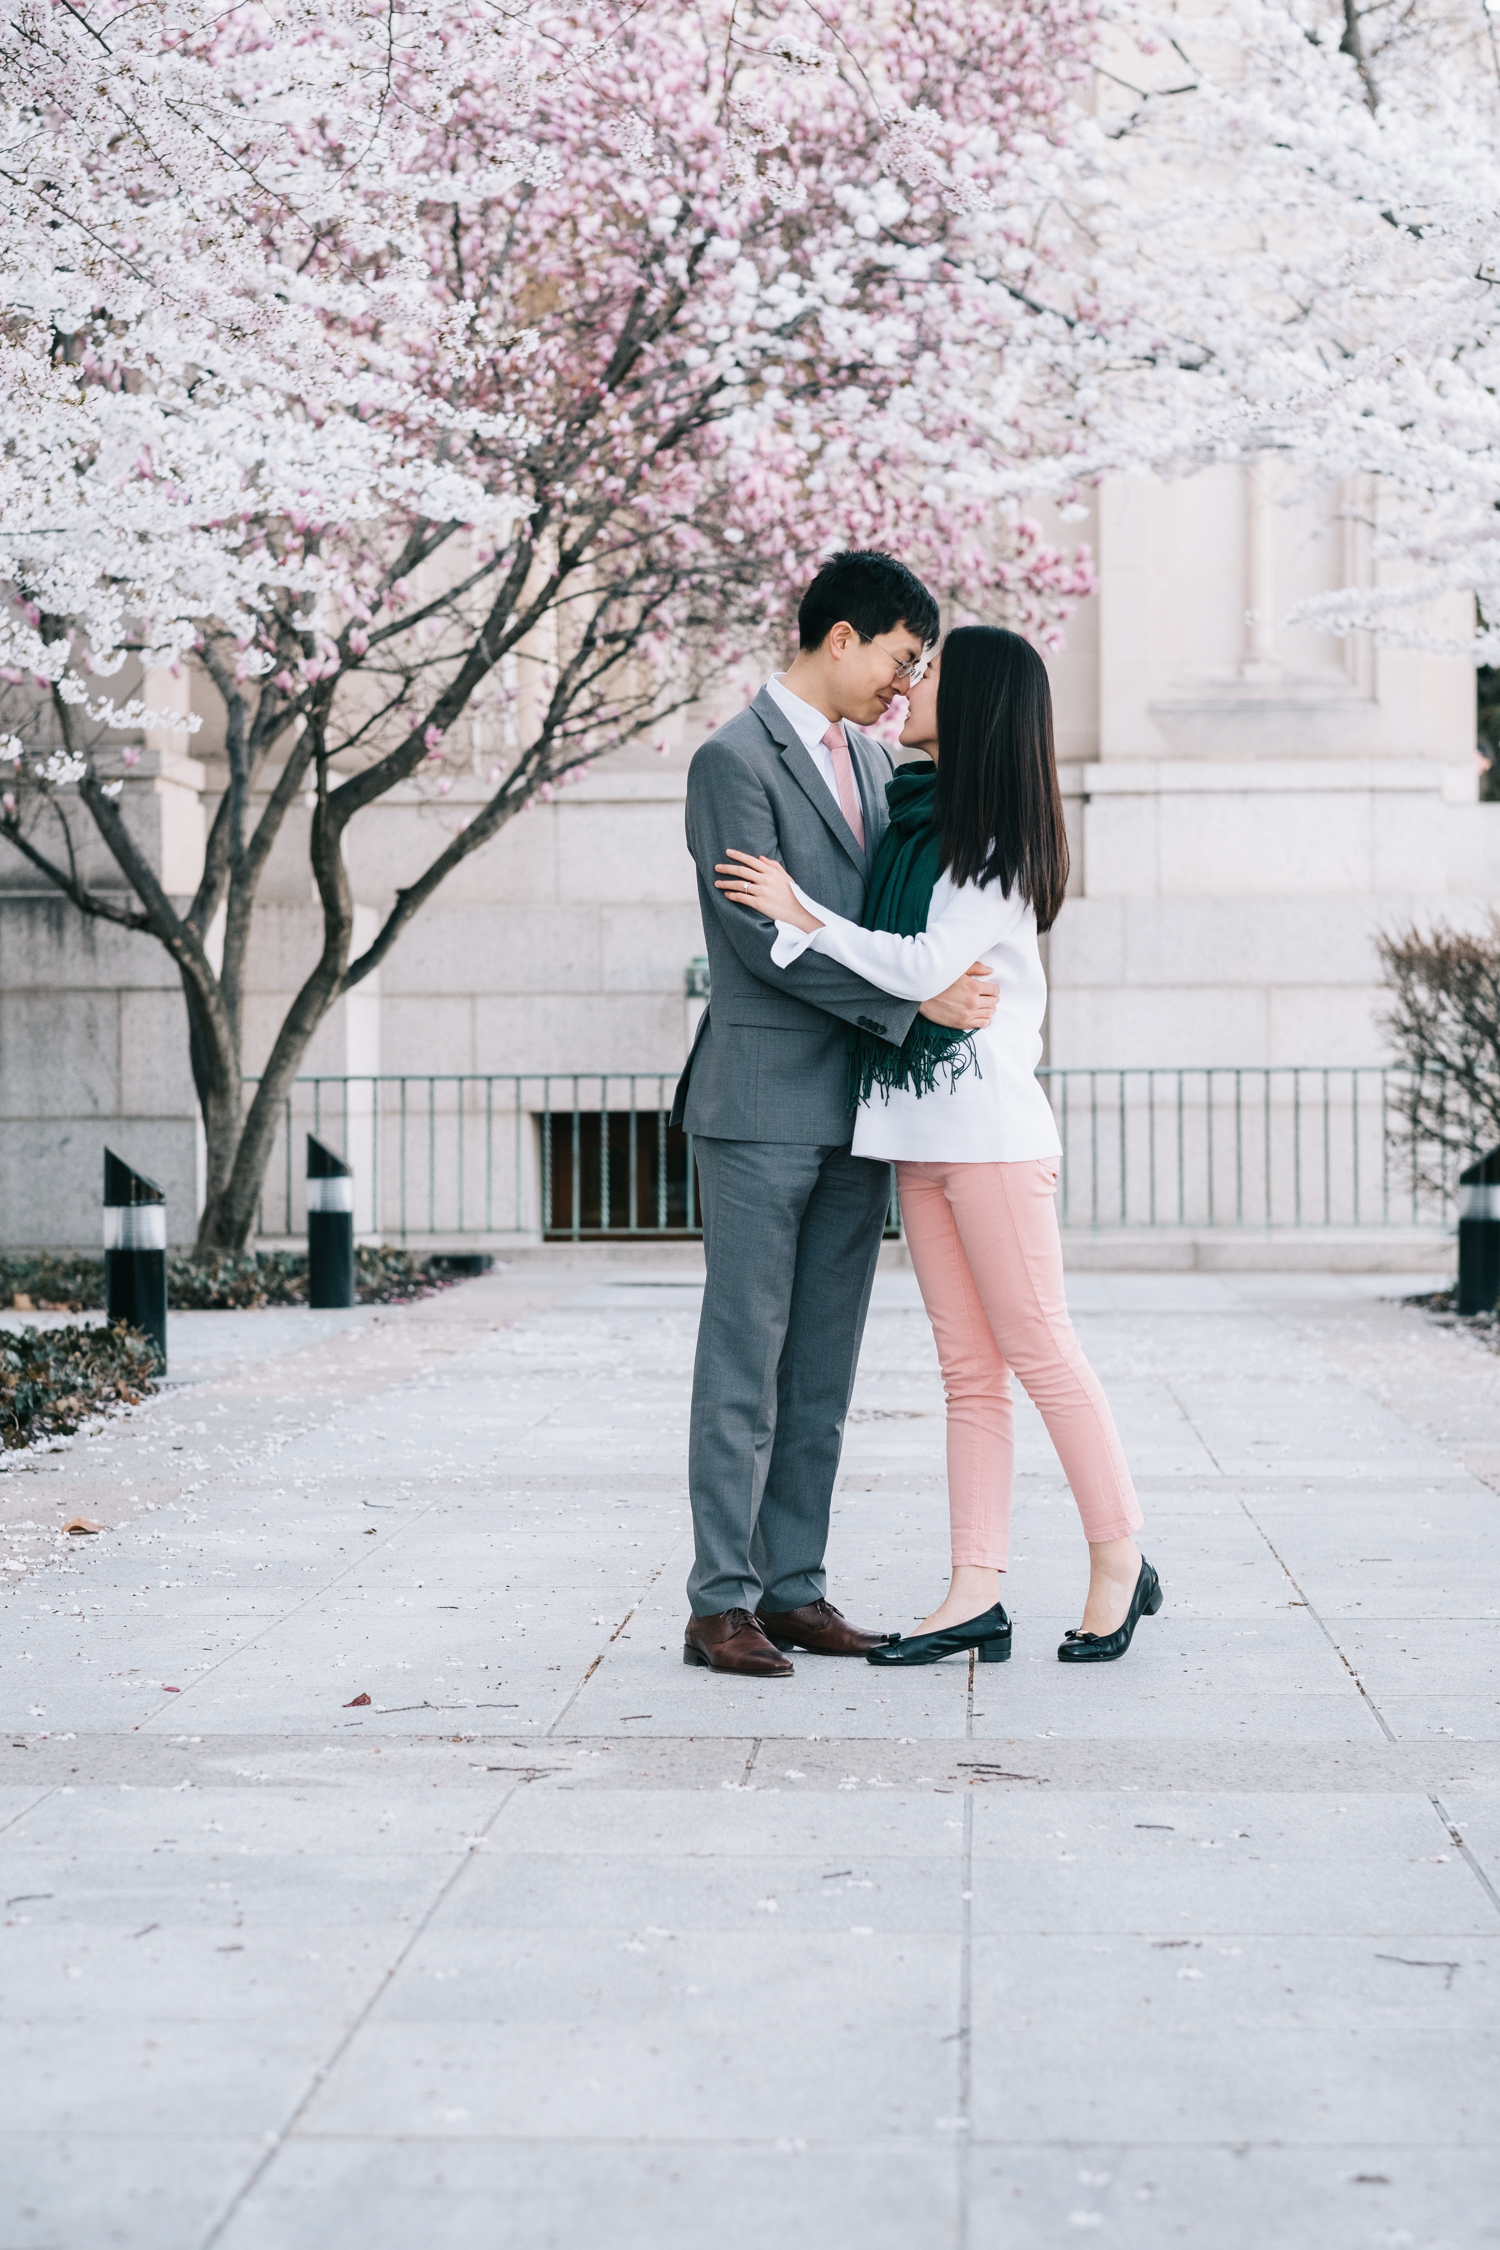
733	1643
821	1628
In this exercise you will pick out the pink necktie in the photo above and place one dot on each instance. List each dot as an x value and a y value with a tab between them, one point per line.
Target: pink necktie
843	774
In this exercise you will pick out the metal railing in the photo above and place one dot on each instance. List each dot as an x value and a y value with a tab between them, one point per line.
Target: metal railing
448	1158
1290	1146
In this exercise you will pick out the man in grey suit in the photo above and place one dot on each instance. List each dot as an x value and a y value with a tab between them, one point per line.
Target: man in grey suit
791	1220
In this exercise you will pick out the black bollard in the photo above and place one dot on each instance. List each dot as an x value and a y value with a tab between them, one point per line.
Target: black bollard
330	1227
1479	1235
135	1250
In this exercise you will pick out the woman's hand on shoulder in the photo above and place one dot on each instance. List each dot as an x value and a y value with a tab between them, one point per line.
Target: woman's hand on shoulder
763	886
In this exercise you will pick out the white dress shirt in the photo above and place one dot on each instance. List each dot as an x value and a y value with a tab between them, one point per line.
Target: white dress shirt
811	725
995	1113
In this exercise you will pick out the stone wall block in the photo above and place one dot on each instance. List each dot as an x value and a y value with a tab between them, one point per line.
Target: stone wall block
1472	865
1075	829
1122	846
328	1051
45	941
1075	672
59	1056
50	1175
648	948
393	842
634	851
156	1075
1327	1024
456	946
1411	840
1427	702
285	943
433	1032
1166	1026
1087	943
1303	842
287	880
561	1032
1245	942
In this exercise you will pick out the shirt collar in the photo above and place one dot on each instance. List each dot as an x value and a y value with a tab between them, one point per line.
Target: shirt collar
810	723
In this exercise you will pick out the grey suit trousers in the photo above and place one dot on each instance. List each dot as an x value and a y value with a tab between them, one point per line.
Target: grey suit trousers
791	1234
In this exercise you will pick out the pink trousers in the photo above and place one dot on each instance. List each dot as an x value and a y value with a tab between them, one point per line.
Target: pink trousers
988	1259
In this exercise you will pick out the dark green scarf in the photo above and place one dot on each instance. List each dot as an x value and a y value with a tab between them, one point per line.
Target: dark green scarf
899	896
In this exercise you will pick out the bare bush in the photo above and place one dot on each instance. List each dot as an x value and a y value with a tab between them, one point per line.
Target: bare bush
1444	1022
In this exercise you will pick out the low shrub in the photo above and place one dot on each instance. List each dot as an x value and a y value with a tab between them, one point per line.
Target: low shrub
48	1284
53	1379
1443	1019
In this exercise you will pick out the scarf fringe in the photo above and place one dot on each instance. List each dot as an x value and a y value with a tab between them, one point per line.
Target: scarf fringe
926	1053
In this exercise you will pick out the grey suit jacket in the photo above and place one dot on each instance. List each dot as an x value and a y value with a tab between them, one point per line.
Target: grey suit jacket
771	1057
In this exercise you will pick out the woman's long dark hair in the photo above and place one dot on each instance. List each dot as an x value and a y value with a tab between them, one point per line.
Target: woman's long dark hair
997	803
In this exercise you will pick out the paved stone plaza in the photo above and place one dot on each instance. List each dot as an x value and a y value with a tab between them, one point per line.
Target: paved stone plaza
554	1942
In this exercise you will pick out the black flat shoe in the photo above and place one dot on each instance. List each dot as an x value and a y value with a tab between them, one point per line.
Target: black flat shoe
989	1634
1103	1648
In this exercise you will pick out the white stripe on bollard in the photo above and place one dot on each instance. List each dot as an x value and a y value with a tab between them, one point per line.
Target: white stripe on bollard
330	1195
135	1226
1479	1202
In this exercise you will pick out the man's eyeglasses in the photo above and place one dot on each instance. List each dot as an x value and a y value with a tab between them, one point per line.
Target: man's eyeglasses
908	669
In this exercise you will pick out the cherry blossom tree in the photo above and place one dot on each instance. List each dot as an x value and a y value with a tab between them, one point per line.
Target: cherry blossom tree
1299	200
421	377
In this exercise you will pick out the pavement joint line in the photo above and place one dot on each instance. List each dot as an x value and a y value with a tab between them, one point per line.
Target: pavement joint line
1387	2144
619	1629
323	2071
1374	1708
1466	1855
25	1811
1176	1398
1077	1764
963	2153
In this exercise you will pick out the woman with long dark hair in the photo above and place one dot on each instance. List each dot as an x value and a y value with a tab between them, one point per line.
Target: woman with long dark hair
973	866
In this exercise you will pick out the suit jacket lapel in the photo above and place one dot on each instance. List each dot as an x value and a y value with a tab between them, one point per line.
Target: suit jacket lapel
871	773
799	765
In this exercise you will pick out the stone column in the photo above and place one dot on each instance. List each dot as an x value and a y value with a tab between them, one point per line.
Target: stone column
1259	659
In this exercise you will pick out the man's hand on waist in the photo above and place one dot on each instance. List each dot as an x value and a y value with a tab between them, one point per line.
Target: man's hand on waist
969	1002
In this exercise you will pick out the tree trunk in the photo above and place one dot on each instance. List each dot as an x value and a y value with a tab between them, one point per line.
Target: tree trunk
216	1077
240	1142
221	1226
240	1139
233	1200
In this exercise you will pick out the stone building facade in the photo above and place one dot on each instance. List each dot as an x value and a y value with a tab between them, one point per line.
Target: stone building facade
1248	806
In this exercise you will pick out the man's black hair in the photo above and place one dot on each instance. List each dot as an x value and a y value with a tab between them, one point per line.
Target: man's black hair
870	591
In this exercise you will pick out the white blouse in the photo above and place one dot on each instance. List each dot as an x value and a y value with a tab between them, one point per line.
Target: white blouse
996	1113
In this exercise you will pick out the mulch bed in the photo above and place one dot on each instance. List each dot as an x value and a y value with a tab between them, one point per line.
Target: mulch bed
1441	1307
233	1282
54	1379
